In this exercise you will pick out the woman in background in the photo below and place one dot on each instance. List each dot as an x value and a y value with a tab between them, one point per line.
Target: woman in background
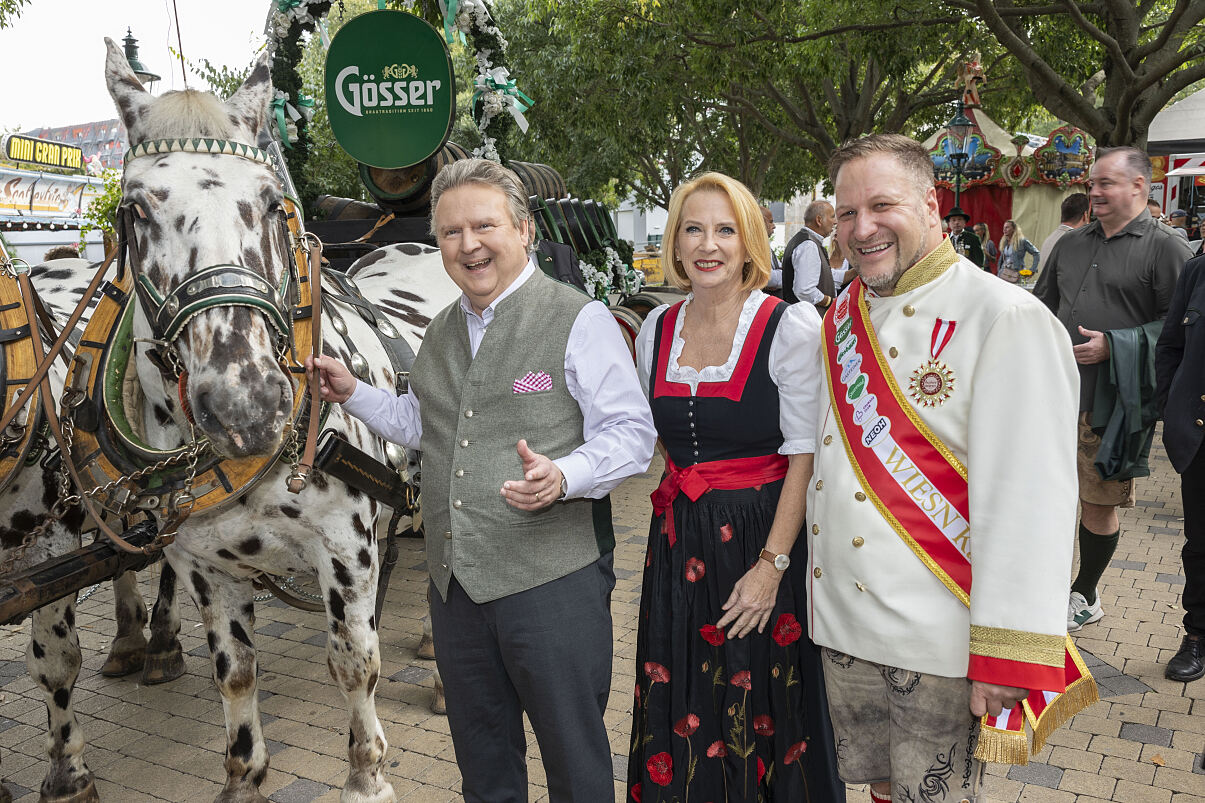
1013	248
991	254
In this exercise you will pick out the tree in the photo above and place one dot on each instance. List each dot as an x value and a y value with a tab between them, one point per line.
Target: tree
754	88
10	10
618	111
1108	66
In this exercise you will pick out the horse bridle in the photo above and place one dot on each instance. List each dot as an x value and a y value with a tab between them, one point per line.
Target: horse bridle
218	285
229	285
221	285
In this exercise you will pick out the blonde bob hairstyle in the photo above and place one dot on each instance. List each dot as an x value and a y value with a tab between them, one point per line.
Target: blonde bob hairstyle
749	222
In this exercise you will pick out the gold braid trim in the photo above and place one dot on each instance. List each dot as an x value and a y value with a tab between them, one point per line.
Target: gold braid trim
1002	747
1018	645
1078	696
930	266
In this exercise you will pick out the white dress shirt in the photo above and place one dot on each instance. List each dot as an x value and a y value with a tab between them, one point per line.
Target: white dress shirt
599	375
806	261
795	365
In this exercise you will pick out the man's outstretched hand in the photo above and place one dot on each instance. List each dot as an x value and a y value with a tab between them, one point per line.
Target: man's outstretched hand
541	483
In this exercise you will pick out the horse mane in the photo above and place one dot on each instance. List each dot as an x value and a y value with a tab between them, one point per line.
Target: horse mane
186	113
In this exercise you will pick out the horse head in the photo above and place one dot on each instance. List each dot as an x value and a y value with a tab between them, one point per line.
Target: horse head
204	228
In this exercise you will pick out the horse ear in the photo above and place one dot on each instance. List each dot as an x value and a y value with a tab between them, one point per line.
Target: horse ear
248	107
131	99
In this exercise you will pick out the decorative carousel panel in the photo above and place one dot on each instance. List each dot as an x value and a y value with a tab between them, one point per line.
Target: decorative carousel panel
978	168
1065	158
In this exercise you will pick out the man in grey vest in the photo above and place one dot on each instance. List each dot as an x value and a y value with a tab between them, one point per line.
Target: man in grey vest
806	274
530	414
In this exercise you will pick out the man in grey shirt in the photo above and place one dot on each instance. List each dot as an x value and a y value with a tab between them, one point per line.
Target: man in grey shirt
1073	214
1118	272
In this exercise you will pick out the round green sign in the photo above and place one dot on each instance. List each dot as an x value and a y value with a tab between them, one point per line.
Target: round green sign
390	93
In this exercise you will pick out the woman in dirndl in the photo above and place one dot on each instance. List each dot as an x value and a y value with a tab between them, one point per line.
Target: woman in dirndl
729	697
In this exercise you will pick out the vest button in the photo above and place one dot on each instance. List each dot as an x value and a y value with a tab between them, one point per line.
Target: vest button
1200	423
860	586
815	529
909	310
448	534
858	542
828	439
861	497
816	572
819	484
691	403
443	566
893	351
464	442
468	413
460	472
696	451
457	504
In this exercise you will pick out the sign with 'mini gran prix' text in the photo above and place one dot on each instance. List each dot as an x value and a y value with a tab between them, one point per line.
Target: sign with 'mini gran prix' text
42	152
390	93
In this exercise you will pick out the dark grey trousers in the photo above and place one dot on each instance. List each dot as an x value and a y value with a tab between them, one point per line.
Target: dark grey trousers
547	652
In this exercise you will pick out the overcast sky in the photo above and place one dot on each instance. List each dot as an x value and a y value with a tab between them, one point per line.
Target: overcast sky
52	57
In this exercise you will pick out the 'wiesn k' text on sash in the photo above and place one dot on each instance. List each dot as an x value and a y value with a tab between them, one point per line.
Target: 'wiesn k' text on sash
920	488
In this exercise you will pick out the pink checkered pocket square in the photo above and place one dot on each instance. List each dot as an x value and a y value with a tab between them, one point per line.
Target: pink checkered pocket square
535	380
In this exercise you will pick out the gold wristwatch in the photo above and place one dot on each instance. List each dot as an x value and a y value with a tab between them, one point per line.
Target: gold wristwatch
780	561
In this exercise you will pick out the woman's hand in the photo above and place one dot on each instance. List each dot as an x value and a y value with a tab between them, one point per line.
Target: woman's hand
752	600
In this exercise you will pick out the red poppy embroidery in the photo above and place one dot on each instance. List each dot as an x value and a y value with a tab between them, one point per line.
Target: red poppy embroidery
637	692
794	752
741	679
656	672
726	533
635	793
695	570
686	726
717	749
661	769
763	725
761	769
712	635
787	629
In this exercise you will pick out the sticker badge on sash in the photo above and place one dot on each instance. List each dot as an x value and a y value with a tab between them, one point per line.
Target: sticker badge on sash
932	383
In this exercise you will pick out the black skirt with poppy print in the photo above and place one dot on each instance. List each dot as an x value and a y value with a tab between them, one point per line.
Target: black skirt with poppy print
719	719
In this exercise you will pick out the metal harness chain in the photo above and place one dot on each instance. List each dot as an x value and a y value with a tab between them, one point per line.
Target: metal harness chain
70	400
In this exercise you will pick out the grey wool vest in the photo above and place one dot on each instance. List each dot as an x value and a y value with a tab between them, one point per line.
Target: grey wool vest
474	412
824	283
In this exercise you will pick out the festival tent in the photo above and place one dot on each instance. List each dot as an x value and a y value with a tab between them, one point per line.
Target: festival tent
1004	178
1180	128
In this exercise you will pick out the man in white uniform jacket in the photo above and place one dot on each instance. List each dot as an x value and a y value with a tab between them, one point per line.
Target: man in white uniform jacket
988	373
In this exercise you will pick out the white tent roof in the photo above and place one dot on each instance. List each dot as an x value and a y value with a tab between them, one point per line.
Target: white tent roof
1180	128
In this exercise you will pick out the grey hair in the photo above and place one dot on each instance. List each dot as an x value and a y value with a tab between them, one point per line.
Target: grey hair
814	210
487	174
1136	160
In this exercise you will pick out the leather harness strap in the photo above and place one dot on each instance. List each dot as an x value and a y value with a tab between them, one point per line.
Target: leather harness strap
300	477
42	379
57	347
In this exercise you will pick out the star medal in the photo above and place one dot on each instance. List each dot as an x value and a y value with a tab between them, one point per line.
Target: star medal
932	383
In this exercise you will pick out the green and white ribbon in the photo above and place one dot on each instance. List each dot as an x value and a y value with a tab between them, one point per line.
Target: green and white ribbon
450	9
498	82
282	107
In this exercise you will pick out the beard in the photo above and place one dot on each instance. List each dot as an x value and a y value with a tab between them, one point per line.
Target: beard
885	281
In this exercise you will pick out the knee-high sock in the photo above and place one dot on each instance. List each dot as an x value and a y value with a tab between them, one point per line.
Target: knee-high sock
1095	552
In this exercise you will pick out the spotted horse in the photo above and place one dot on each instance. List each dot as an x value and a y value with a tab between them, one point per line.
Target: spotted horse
207	363
29	490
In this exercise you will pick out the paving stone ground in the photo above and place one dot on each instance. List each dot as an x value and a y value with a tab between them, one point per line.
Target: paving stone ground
1141	744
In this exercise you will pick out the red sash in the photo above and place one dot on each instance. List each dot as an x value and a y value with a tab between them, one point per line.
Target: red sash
725	475
921	490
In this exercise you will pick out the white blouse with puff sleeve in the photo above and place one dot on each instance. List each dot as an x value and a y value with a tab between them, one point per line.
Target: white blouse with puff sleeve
795	365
